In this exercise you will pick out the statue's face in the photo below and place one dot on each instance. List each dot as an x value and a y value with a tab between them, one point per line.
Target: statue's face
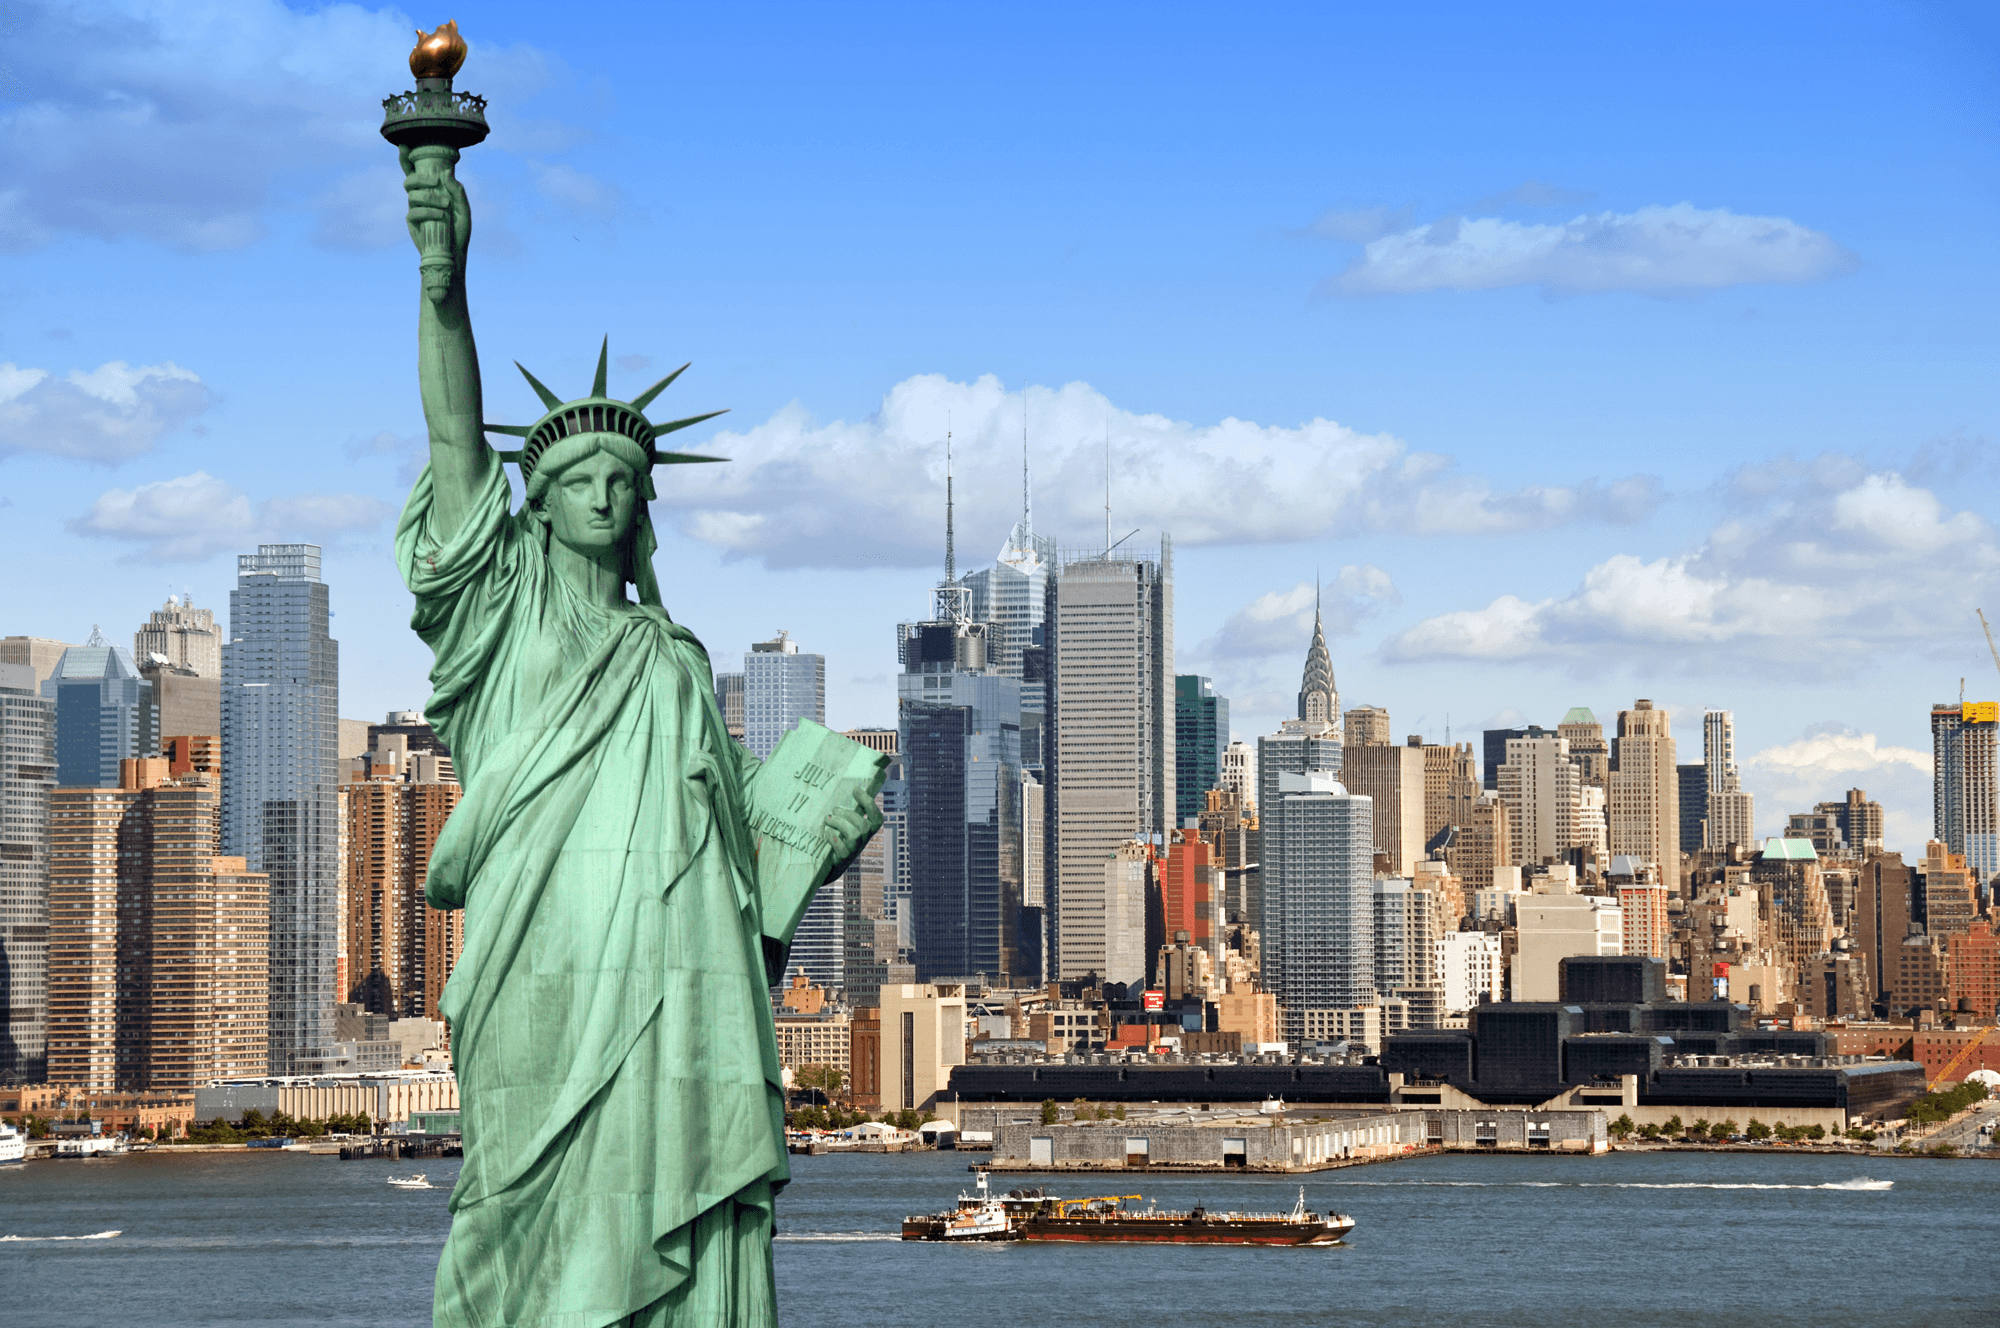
589	505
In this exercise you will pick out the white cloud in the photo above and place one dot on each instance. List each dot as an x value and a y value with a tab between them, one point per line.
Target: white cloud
1654	250
186	125
107	414
1816	573
1280	623
194	517
1826	761
871	491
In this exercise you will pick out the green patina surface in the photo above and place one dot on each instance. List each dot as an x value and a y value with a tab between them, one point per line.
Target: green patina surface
627	870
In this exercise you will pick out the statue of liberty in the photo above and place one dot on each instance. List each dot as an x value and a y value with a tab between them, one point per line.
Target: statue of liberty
629	873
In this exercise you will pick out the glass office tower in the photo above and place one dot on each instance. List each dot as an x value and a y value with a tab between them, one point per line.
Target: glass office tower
280	773
27	777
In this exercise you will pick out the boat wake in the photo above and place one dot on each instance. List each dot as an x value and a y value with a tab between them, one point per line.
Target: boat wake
841	1236
95	1235
1857	1184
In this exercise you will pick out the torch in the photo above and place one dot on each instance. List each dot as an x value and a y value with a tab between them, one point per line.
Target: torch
434	123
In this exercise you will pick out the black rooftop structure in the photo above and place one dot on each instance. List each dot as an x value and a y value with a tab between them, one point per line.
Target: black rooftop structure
1627	979
1515	1053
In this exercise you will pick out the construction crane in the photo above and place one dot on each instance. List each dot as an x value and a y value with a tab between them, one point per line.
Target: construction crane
1952	1065
1989	637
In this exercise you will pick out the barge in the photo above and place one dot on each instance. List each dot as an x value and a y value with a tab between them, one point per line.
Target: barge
1034	1215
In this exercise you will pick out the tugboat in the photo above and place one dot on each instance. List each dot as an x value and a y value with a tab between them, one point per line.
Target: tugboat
1031	1215
978	1217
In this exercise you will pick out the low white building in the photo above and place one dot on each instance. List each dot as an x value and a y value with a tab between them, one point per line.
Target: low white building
1551	928
1471	968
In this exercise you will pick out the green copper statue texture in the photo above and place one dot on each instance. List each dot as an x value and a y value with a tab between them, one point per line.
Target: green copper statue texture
628	871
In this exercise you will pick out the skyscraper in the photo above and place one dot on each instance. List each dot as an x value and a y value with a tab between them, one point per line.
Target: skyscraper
1495	750
960	746
399	950
1319	699
1408	922
1965	740
1327	926
1693	777
869	943
1239	772
183	636
1392	778
1309	744
1451	787
1201	734
1191	892
280	780
157	970
1541	788
37	653
780	688
1482	843
1860	821
105	713
729	697
1110	759
1366	726
1587	748
1731	811
1011	599
27	776
1644	812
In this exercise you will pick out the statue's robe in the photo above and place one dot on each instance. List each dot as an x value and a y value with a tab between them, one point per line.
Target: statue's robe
610	1020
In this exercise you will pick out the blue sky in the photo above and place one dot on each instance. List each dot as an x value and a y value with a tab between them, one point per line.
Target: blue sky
1586	352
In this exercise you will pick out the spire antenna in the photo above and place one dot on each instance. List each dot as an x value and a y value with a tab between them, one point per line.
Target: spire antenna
1027	499
950	556
1107	488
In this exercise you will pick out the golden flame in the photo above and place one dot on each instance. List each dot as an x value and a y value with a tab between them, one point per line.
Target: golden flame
439	54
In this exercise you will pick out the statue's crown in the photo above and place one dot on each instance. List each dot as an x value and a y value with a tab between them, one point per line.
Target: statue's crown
600	414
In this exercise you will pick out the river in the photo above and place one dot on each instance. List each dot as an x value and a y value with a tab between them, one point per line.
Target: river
1715	1239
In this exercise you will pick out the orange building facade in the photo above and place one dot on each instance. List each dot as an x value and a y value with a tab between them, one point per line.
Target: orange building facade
158	947
1973	970
1188	889
397	951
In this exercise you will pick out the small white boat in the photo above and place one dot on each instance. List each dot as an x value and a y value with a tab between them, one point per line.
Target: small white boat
416	1182
13	1144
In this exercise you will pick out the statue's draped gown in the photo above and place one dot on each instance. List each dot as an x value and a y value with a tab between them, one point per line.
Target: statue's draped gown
610	1023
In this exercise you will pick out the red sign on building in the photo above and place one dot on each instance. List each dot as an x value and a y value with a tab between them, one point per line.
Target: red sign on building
1156	1000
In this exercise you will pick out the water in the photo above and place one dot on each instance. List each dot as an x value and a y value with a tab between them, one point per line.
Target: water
1718	1239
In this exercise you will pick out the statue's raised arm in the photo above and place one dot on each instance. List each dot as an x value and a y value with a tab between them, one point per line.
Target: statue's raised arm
447	359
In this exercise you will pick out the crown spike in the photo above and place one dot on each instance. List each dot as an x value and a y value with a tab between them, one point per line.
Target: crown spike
549	399
673	425
597	384
645	398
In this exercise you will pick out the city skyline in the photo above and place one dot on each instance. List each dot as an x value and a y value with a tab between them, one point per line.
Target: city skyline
1528	486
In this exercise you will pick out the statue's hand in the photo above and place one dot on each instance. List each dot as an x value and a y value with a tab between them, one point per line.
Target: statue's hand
848	828
436	196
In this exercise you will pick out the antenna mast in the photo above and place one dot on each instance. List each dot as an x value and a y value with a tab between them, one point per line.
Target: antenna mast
1027	501
950	597
1107	488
